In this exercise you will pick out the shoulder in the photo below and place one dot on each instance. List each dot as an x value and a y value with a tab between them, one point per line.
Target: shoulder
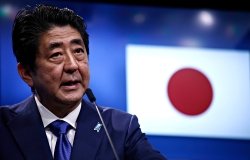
117	114
120	120
18	107
7	112
115	117
108	111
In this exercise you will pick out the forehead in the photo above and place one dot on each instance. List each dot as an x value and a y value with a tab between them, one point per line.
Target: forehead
59	34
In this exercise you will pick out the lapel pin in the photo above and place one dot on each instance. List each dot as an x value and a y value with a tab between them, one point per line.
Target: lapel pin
98	127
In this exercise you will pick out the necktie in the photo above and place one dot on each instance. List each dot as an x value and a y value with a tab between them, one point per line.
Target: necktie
63	146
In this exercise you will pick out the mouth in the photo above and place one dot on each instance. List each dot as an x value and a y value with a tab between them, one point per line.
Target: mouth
70	84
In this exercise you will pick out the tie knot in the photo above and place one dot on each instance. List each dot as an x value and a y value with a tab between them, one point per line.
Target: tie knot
59	127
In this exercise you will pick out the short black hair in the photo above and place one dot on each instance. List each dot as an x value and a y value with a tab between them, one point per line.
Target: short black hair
30	23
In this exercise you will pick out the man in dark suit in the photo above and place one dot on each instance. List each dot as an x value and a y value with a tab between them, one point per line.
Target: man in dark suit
51	48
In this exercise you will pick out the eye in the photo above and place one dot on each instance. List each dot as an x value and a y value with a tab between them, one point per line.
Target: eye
79	54
56	55
79	50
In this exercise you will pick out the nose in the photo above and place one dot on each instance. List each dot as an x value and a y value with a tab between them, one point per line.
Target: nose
70	64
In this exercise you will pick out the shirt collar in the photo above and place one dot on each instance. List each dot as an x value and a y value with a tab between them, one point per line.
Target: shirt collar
48	116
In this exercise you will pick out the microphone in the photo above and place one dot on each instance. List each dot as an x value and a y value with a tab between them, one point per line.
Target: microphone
92	99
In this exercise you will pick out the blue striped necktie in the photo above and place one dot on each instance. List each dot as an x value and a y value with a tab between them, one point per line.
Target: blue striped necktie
63	146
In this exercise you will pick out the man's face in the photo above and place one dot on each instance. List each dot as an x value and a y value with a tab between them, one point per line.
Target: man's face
62	71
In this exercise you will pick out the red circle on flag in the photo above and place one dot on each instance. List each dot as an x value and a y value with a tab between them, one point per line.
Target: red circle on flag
190	91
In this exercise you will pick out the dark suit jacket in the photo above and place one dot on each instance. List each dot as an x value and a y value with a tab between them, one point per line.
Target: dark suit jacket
22	135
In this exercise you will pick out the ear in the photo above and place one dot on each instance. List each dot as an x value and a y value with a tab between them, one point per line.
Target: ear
25	74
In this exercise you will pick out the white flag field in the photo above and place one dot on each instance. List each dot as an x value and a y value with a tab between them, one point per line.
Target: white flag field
182	91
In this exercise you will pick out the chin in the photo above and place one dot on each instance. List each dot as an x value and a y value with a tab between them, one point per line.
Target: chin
73	98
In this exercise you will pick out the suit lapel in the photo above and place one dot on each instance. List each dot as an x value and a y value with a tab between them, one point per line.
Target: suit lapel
87	140
28	130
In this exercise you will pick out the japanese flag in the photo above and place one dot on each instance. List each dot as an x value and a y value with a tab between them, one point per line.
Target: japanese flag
185	91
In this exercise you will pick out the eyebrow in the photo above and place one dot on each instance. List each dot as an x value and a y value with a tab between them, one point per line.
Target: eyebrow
55	45
77	41
59	44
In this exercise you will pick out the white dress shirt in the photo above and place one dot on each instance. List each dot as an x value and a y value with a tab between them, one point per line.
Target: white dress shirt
48	117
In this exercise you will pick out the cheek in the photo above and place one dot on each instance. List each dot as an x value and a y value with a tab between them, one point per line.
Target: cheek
50	74
85	72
